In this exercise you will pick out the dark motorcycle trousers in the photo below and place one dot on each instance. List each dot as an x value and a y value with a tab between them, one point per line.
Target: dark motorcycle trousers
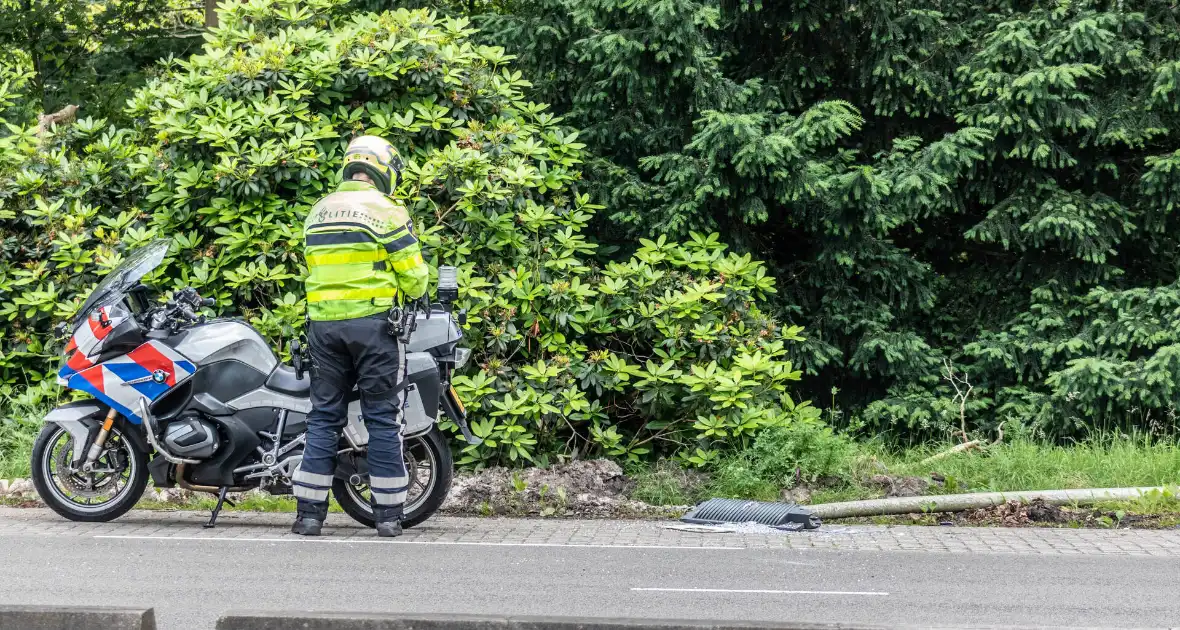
347	353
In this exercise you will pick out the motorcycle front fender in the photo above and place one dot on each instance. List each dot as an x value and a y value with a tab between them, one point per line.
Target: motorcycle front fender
82	420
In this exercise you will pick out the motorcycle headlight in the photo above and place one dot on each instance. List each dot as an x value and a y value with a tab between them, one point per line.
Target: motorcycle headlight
461	356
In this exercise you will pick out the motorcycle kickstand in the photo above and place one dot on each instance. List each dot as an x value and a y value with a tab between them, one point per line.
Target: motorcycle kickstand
221	500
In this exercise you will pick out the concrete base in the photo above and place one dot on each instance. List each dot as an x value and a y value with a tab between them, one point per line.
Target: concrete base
364	621
76	618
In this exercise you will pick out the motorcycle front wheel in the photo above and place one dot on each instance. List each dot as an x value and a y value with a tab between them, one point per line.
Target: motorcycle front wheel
107	492
430	467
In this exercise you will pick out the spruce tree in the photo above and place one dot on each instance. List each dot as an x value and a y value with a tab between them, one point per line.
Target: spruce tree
988	188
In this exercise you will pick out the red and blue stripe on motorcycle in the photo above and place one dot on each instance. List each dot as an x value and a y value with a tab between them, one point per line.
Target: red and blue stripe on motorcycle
145	373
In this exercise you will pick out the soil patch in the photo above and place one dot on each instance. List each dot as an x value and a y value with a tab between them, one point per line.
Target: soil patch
900	486
1016	514
594	488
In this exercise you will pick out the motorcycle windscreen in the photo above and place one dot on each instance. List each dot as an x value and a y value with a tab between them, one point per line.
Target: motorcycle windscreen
144	374
123	277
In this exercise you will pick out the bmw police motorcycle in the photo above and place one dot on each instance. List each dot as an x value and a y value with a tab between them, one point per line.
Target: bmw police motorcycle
207	406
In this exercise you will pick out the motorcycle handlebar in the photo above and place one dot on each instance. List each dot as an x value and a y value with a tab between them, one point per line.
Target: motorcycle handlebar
180	309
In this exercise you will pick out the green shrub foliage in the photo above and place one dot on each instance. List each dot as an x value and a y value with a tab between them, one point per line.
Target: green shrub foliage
668	351
89	54
991	184
67	205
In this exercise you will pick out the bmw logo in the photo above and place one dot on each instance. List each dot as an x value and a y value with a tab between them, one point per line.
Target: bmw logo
160	376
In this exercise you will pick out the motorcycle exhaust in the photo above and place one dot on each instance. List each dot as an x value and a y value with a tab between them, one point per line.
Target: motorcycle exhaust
183	483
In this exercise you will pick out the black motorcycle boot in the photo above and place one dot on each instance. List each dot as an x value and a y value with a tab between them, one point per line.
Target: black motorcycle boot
389	529
307	526
309	522
388	522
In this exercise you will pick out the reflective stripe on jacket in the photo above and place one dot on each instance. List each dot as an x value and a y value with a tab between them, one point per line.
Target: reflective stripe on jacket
361	254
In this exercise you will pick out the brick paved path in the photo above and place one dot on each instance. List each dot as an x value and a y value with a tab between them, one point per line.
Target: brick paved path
449	530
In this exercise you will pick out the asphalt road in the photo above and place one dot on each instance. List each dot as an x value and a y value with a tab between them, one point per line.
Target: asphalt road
191	579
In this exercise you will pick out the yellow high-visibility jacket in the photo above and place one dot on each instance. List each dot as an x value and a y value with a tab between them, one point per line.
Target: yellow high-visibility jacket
362	255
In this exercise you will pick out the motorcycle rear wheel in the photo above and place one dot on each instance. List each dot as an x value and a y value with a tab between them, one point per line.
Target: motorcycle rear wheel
110	495
425	453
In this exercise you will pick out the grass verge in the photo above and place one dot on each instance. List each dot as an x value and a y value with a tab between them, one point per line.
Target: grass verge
1102	462
778	469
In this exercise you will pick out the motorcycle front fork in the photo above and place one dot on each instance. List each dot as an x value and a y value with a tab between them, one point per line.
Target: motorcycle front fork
96	449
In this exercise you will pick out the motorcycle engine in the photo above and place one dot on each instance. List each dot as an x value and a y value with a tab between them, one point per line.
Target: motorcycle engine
191	437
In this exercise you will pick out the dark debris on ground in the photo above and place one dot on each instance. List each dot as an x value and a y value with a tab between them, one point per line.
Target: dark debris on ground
584	488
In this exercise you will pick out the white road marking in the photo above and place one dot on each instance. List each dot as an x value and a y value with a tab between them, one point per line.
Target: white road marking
760	591
349	541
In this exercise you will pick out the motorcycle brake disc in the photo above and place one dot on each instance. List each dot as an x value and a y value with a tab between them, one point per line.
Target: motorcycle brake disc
92	485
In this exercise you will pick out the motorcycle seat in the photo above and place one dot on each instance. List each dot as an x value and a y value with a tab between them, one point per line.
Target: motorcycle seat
283	380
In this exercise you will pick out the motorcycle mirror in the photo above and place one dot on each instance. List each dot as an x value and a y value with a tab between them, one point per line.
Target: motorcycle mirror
139	296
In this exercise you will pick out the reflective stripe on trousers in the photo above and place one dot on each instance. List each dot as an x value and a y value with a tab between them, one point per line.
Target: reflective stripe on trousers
311	486
389	491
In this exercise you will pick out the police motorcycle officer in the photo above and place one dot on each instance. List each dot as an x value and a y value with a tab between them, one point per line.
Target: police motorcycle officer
364	262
